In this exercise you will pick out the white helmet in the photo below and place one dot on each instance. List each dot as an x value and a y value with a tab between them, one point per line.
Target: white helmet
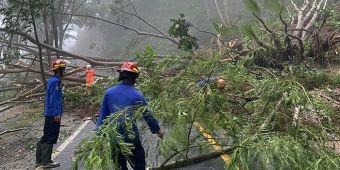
88	66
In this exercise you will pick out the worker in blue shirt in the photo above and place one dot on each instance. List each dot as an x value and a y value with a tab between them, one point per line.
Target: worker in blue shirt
124	96
219	81
52	112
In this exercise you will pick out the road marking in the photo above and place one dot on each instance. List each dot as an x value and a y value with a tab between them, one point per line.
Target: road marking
212	142
69	139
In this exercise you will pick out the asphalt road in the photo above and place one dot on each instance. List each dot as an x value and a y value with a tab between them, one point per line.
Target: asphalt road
64	151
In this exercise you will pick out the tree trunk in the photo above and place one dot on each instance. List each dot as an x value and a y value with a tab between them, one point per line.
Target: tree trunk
54	27
60	23
39	47
47	31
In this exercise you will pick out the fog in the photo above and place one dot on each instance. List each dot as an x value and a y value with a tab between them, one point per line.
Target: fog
101	39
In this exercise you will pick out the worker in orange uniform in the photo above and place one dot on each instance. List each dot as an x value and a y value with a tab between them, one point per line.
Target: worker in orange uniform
90	73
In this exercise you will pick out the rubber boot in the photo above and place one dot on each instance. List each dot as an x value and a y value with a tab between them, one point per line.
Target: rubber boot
38	158
46	156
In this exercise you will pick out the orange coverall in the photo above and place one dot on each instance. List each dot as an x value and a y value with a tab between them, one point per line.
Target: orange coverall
90	73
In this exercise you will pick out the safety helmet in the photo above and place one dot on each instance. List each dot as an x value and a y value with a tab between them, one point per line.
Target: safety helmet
88	66
58	64
129	67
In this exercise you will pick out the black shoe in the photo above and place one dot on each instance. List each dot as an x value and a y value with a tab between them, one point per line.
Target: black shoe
50	165
37	165
46	156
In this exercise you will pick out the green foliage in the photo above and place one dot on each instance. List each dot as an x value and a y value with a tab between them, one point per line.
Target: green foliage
256	112
248	31
269	118
253	6
275	7
307	76
146	59
180	29
226	31
332	16
99	151
76	97
18	13
335	80
281	152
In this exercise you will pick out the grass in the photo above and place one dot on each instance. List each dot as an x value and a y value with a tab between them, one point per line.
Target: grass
27	117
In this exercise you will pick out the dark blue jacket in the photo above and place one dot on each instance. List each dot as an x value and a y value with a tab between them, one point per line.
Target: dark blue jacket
202	83
54	97
124	96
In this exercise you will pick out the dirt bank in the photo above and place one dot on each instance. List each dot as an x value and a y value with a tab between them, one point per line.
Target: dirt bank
17	149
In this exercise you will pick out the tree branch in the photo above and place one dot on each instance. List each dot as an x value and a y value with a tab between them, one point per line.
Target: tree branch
11	130
66	53
146	22
313	19
295	6
219	13
207	32
127	27
263	23
29	69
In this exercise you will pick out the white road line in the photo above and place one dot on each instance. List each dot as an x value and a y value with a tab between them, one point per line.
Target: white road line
69	139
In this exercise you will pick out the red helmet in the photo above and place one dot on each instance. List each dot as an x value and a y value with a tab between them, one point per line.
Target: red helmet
58	64
130	67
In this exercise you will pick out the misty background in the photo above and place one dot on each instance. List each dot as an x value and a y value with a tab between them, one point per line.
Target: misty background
95	38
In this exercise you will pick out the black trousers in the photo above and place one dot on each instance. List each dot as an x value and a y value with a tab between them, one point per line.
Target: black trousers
137	158
51	131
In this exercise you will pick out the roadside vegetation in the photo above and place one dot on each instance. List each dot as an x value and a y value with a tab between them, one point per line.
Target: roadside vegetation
279	109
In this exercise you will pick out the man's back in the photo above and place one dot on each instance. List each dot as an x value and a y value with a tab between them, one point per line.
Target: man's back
119	97
53	100
124	96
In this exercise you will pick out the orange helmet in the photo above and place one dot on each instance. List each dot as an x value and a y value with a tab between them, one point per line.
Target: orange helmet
58	64
130	67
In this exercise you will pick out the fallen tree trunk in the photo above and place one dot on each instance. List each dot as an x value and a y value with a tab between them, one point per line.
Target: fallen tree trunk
29	69
62	52
190	161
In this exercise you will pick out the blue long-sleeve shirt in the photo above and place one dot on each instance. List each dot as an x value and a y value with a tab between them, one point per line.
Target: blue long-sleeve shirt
205	81
54	97
124	96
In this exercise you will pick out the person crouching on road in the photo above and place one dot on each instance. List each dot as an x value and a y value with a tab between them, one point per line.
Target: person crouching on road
53	111
123	96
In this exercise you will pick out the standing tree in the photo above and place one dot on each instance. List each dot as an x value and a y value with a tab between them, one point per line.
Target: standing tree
20	16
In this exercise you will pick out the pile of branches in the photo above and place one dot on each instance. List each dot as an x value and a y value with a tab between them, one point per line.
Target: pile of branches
286	39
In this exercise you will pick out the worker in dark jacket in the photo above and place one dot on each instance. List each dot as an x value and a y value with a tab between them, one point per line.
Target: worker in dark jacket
124	96
53	111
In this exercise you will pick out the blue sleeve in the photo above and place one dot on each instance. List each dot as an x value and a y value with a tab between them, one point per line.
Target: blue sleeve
104	111
204	82
48	100
148	116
